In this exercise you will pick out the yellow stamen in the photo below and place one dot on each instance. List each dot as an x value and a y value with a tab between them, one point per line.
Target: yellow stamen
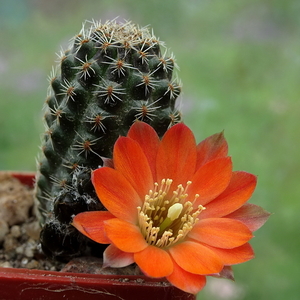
164	222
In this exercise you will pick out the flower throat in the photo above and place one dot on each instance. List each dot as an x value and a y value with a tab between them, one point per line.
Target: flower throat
165	220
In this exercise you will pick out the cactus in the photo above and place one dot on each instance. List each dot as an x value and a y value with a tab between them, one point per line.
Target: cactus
112	75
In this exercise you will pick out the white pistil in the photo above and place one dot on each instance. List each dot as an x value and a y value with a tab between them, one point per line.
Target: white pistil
174	211
164	222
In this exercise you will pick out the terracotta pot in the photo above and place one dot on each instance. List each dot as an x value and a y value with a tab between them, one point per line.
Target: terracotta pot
27	284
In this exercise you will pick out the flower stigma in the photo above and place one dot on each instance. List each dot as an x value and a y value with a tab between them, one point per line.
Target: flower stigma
166	218
173	213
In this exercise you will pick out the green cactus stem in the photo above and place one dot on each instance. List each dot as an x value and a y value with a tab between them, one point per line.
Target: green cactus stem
112	75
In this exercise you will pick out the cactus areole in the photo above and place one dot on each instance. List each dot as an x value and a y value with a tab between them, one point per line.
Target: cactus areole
112	75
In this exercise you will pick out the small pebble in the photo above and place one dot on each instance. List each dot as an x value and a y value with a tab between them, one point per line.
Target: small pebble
3	230
15	200
15	231
33	264
10	243
24	261
5	264
20	249
29	250
33	230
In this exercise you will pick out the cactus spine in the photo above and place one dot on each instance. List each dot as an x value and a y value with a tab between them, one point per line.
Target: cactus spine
112	75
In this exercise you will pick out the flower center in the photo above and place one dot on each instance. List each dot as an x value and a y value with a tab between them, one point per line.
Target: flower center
166	218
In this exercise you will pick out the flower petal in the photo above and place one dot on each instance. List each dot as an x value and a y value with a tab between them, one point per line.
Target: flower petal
252	215
130	160
196	258
239	190
148	140
125	236
236	255
91	224
188	282
116	193
215	146
210	180
221	232
176	157
115	258
154	262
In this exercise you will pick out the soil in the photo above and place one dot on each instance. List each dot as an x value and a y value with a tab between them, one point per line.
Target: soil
20	230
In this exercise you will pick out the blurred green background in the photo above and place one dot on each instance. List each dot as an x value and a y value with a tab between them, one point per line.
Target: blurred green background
240	67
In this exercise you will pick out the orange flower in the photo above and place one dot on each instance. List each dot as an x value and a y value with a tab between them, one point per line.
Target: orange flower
175	208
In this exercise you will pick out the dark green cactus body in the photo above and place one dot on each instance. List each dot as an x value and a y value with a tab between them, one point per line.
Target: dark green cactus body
113	75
